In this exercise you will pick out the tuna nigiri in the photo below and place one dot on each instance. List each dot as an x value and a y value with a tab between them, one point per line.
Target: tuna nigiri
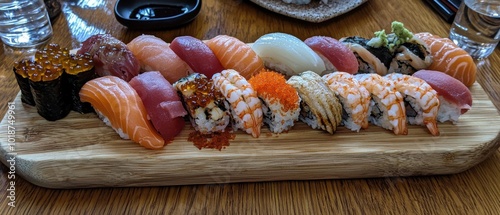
197	55
154	54
163	105
120	107
235	54
449	58
336	55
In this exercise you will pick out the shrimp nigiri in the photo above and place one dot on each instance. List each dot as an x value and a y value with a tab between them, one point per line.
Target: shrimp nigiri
120	107
246	108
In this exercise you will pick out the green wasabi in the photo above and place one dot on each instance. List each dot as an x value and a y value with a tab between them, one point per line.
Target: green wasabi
402	35
379	40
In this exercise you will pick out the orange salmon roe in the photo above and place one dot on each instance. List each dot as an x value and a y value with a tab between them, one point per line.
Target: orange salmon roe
273	85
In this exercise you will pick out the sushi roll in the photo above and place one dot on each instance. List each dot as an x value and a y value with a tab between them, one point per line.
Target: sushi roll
336	56
280	101
78	70
51	98
372	57
287	54
410	53
454	97
208	109
421	100
128	117
21	70
246	108
235	54
319	107
387	105
354	97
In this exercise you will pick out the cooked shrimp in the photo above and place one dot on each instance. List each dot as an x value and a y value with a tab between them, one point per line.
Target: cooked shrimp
389	102
425	101
246	108
357	98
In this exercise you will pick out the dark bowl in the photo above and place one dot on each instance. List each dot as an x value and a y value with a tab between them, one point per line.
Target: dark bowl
156	14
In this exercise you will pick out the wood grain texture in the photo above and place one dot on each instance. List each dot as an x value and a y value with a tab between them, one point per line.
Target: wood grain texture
48	151
475	191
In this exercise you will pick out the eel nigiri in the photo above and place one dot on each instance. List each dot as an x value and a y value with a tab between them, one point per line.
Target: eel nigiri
120	107
287	54
235	54
246	107
154	54
354	97
163	105
197	55
336	55
280	101
449	58
420	98
387	108
319	107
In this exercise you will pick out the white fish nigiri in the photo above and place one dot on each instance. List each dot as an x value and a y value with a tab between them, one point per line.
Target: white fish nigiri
287	54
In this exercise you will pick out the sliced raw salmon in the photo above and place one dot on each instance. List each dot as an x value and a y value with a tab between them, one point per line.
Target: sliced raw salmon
122	109
235	54
450	59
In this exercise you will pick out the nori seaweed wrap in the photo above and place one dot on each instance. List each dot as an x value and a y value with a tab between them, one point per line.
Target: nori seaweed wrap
78	71
371	59
21	72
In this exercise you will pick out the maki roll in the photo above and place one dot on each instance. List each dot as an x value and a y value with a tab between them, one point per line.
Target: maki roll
21	70
50	96
320	108
372	57
280	101
78	70
410	53
207	107
387	105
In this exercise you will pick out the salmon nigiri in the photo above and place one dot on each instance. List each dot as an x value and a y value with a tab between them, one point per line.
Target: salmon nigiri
154	54
235	54
122	109
449	58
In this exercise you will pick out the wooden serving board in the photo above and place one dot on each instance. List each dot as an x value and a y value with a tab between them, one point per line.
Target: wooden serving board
79	151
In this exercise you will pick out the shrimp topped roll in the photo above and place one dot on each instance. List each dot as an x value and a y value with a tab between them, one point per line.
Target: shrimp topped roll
246	108
420	98
354	97
320	107
387	105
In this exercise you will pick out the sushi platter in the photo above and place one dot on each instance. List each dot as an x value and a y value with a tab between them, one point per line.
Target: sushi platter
79	151
313	12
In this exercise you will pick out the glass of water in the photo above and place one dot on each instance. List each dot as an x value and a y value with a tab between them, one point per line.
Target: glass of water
476	27
24	24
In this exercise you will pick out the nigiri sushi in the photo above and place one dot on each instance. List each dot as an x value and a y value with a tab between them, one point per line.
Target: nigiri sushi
111	56
354	97
235	54
208	109
154	54
449	58
336	55
455	98
120	107
421	100
246	108
319	107
163	105
280	101
197	55
287	54
387	105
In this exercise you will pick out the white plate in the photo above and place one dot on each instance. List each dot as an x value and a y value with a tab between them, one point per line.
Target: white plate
313	12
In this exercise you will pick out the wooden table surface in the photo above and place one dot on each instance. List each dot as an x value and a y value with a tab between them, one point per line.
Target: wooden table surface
475	191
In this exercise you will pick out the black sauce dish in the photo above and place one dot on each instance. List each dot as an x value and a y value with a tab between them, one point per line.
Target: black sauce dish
156	14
